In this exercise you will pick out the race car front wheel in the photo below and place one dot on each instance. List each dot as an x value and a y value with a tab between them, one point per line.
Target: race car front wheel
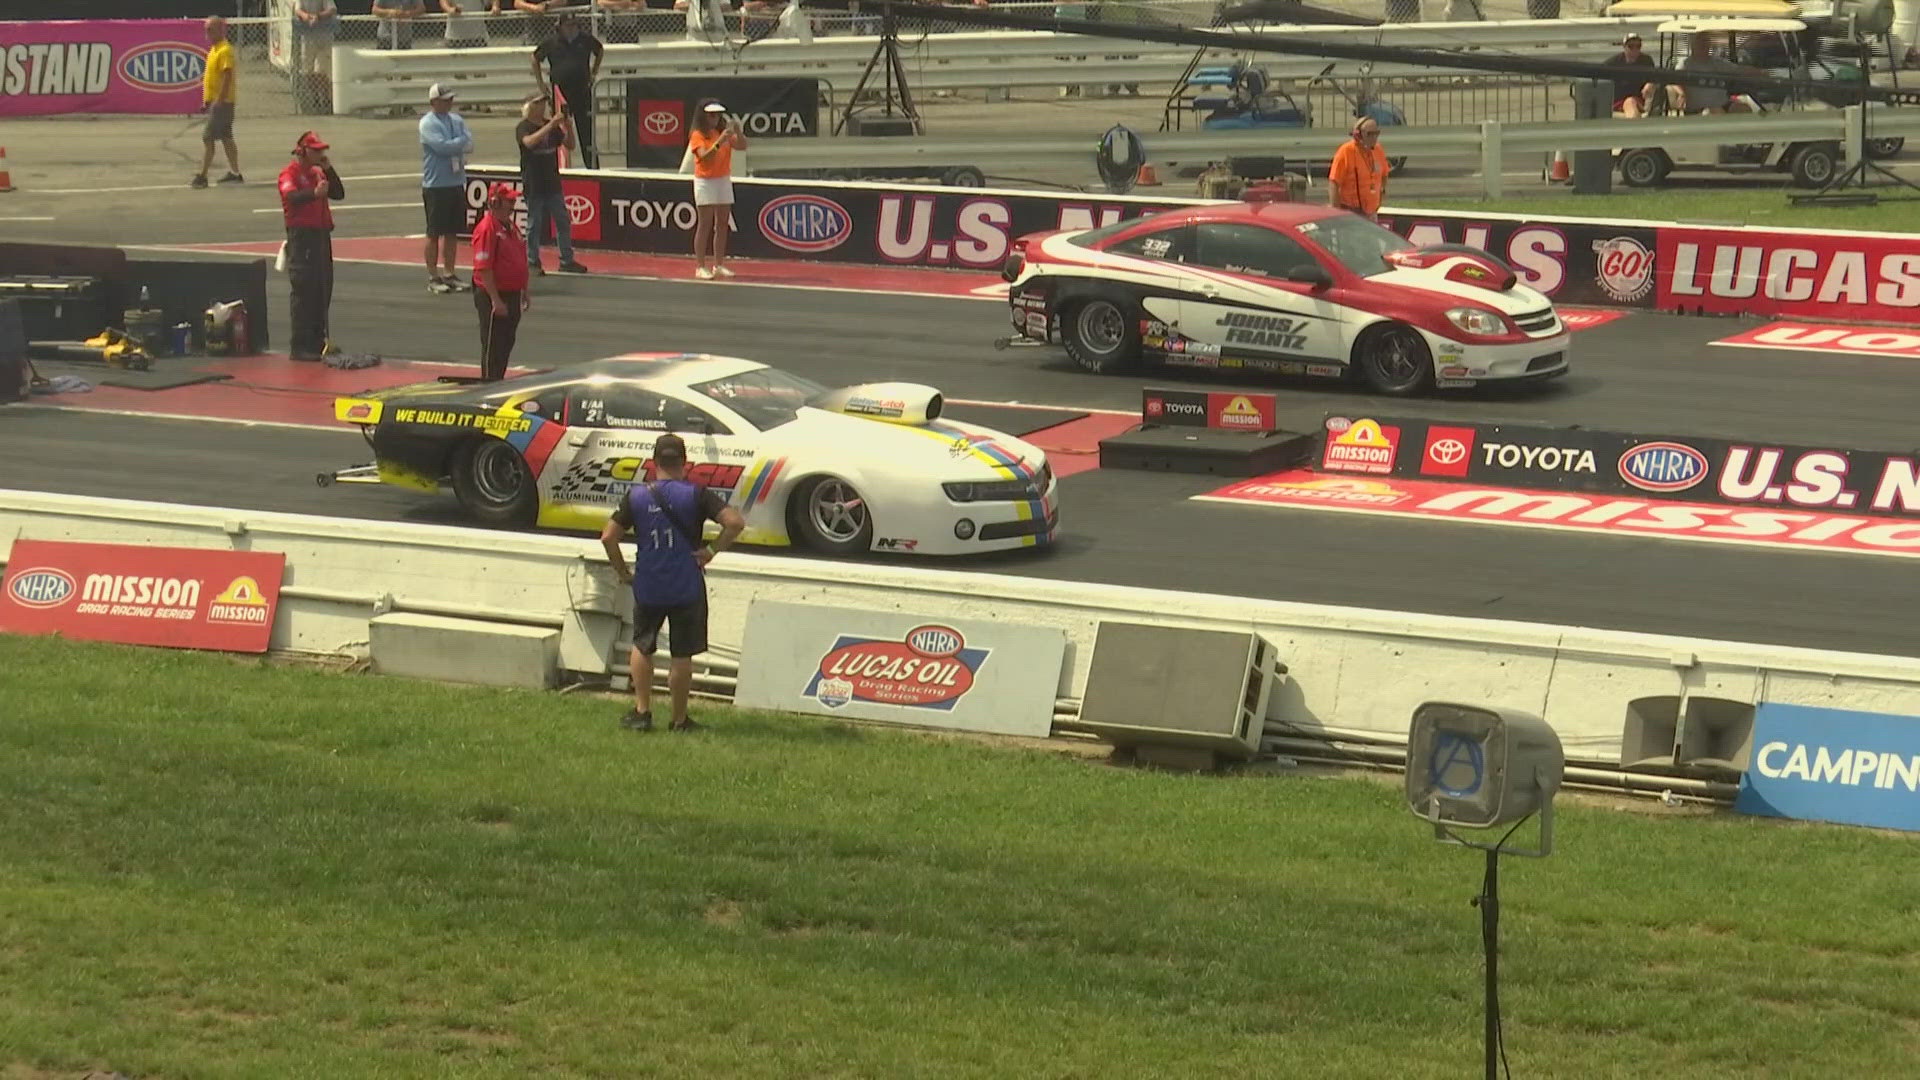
1100	337
831	517
1394	359
493	483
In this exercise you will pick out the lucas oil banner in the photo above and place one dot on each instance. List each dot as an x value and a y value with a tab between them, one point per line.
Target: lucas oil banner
116	66
901	668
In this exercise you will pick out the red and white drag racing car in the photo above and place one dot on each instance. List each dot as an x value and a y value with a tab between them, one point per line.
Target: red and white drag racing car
1285	288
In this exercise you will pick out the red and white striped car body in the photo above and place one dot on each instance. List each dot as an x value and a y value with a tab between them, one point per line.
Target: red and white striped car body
1283	288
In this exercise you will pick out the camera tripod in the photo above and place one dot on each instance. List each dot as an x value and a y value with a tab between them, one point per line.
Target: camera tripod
894	75
1833	192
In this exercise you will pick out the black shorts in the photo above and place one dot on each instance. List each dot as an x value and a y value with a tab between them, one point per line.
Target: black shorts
219	122
446	210
686	628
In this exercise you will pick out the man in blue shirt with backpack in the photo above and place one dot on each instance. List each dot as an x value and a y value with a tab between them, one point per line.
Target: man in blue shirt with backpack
667	516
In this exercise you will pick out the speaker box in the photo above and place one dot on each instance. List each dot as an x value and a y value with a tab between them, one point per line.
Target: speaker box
879	125
1709	732
1163	686
1206	451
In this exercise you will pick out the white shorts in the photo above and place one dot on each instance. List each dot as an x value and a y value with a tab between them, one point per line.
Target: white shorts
713	191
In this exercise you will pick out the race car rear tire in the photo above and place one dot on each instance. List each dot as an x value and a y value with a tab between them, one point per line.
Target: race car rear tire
493	483
1100	336
829	516
1393	359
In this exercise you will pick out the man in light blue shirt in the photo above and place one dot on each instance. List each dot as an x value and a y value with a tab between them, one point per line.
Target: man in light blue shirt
445	143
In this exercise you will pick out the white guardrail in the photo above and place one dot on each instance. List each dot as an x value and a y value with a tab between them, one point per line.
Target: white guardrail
366	78
1489	144
1353	674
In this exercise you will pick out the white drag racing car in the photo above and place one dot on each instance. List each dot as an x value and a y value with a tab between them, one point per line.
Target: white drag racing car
866	468
1284	288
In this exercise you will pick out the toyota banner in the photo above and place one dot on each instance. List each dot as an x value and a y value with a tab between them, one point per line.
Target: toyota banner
1720	471
101	66
660	113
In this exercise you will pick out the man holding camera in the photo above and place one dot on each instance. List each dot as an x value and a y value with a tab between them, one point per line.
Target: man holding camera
540	137
307	186
572	57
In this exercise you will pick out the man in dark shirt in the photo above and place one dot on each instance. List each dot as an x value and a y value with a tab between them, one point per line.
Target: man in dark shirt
572	56
667	516
308	185
1632	92
540	137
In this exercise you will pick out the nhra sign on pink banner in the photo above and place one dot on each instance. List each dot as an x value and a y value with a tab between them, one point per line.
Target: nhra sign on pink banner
103	66
1813	764
925	671
909	225
188	598
1829	276
1572	262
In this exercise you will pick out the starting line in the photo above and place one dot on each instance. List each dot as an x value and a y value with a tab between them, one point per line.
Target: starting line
1787	530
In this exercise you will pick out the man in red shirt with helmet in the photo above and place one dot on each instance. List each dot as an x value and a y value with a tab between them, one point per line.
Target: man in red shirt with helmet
500	278
308	185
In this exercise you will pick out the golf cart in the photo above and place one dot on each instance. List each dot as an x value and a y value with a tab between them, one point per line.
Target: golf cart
1773	46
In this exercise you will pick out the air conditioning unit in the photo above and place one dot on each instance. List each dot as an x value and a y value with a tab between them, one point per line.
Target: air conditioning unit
1177	695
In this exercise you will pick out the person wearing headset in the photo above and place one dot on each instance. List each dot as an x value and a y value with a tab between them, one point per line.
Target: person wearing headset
1358	179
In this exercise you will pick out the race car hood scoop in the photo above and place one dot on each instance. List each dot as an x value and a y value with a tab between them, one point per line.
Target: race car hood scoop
890	402
1457	263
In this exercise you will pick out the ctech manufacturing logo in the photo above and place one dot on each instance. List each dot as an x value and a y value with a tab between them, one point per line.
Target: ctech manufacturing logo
930	667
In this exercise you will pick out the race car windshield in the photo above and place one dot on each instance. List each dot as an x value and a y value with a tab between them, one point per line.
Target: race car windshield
1359	244
766	398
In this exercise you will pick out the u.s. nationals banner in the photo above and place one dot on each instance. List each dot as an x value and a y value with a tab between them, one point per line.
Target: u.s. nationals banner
185	598
101	66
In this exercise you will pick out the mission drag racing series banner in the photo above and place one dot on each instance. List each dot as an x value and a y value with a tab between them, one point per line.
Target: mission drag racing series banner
188	598
1682	468
103	66
904	225
901	668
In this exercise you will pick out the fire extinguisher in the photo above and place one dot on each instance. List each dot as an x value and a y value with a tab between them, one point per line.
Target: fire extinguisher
242	333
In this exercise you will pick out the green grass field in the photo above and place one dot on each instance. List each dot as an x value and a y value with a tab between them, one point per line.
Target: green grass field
213	867
1899	210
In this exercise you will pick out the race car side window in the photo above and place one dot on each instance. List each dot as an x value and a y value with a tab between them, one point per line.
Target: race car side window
1250	249
1167	245
692	420
618	406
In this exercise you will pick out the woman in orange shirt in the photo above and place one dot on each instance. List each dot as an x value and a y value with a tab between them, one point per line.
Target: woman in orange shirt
714	139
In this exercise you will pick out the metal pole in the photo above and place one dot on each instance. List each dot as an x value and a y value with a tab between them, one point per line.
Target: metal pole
1489	904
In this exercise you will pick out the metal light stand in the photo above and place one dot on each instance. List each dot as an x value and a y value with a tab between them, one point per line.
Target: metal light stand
1489	904
1855	174
888	51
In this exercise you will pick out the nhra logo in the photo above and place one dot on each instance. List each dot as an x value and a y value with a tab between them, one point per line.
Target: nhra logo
806	223
163	66
1663	466
930	667
41	587
1623	268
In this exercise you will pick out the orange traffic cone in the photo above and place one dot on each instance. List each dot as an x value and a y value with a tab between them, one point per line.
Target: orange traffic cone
6	178
1147	177
1561	173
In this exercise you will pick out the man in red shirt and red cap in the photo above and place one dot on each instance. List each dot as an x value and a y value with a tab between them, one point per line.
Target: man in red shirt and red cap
308	185
500	278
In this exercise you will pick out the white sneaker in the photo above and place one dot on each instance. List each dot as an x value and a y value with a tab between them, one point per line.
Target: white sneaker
722	271
703	274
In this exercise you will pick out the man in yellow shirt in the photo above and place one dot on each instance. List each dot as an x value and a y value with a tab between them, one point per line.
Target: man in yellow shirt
1358	179
217	97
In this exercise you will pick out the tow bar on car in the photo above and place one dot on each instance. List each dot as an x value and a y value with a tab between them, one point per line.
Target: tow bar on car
358	474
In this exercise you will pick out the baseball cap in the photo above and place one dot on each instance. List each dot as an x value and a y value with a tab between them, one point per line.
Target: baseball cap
1630	39
714	106
440	92
501	190
309	141
670	449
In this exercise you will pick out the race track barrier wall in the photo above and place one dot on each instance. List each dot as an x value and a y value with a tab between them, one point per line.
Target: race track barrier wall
1826	275
1352	673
